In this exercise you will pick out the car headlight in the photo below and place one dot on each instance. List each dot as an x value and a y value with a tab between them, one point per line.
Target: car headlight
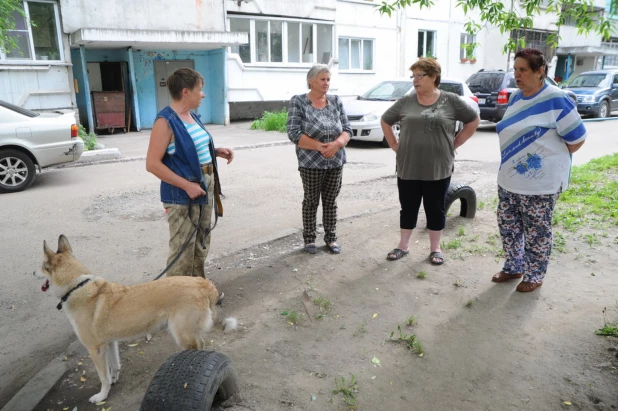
370	117
589	99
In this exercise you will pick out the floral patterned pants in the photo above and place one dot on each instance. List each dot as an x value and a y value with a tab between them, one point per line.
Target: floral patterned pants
525	227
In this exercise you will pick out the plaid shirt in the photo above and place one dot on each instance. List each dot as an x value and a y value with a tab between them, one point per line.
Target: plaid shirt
324	125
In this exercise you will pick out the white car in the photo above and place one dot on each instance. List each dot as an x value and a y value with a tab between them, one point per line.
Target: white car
30	140
365	111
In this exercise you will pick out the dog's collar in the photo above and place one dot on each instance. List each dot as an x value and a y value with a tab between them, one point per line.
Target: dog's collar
66	296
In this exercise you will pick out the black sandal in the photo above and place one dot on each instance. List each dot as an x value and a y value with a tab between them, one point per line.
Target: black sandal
438	256
311	248
397	253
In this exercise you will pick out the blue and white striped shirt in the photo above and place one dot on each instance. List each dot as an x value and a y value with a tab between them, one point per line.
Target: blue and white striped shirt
534	134
200	138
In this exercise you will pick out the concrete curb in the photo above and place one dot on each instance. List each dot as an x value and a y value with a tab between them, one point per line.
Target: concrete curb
113	155
37	388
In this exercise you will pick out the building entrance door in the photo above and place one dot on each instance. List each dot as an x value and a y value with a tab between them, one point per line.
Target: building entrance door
163	69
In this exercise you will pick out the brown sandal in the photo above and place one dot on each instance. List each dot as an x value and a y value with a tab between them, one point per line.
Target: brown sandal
526	287
503	277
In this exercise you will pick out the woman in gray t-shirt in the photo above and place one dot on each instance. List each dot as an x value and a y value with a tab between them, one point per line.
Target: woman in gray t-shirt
426	152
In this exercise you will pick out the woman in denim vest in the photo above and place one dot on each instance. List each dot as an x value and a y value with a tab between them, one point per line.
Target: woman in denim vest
182	155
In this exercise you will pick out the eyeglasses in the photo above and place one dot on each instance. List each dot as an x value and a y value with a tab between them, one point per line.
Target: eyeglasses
418	76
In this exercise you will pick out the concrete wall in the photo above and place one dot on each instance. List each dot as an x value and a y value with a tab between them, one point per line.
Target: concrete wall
309	9
143	14
39	86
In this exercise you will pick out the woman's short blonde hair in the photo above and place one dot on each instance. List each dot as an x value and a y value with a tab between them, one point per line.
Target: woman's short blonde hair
430	66
315	71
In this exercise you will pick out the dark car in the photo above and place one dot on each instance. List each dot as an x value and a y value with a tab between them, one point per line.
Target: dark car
596	91
493	88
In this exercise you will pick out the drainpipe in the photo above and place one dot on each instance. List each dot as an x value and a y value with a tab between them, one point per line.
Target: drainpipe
603	63
136	113
82	58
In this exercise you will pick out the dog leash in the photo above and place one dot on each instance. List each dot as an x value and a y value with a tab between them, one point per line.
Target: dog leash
196	227
66	296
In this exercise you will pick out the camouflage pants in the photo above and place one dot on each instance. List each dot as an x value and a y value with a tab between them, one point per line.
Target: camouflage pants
191	262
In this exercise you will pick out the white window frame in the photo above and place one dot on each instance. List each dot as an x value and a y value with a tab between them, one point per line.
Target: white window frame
435	38
470	38
361	57
284	41
33	59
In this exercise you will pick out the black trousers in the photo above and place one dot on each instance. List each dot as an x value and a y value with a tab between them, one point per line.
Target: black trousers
433	195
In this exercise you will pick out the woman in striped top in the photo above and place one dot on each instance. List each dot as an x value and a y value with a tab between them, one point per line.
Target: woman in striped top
183	156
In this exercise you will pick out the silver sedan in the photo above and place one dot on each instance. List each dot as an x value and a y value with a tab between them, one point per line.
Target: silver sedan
30	141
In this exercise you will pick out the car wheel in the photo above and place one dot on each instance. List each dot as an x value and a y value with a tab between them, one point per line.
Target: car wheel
16	171
603	110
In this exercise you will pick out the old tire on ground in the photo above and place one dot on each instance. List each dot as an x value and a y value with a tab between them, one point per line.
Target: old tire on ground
16	171
466	194
191	380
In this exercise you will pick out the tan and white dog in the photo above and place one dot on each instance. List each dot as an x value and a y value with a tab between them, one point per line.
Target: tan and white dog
103	313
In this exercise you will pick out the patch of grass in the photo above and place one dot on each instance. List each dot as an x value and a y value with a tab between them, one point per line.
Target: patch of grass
591	239
348	389
272	121
559	242
90	139
610	327
469	303
592	196
452	244
461	231
412	321
410	340
481	205
421	275
458	284
292	316
361	330
324	304
311	286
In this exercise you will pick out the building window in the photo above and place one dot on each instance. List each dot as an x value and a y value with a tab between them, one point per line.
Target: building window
426	43
465	39
37	41
276	41
534	39
355	54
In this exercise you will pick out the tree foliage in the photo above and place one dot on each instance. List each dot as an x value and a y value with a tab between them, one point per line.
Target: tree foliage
8	8
517	15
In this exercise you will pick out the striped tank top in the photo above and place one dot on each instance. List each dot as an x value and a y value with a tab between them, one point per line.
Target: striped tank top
200	138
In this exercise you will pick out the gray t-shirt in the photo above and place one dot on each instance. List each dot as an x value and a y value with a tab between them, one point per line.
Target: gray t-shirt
426	149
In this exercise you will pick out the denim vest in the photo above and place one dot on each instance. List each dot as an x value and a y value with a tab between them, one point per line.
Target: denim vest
185	161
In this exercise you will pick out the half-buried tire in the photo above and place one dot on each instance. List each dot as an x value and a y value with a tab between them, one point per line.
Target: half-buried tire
466	195
191	380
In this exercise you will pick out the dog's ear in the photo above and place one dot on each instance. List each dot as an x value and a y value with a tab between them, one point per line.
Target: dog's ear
47	251
63	245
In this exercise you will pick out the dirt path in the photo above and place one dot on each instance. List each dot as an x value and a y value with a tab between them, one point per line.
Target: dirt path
486	347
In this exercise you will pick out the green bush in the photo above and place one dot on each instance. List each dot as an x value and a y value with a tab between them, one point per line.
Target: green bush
272	121
90	139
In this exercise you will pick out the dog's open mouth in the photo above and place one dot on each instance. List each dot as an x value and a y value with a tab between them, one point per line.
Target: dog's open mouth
45	286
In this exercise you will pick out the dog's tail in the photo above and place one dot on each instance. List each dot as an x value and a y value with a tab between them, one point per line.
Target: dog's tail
228	324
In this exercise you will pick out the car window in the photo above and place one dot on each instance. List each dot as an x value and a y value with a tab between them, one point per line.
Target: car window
588	80
510	82
485	82
452	87
388	90
17	109
615	78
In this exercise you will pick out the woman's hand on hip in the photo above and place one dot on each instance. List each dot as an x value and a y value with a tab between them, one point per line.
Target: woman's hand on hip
194	190
329	150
